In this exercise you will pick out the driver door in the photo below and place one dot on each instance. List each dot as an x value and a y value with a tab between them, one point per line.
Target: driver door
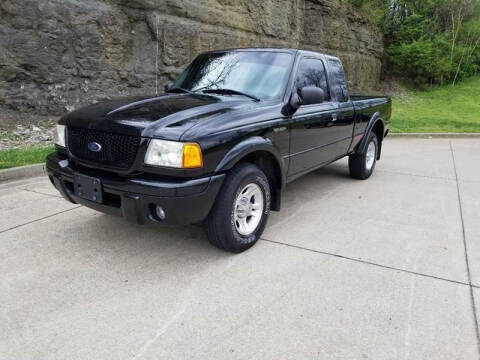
313	131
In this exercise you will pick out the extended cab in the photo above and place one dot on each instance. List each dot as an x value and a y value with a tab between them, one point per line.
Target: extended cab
220	145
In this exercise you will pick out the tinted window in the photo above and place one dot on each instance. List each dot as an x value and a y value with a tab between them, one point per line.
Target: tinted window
339	84
260	73
311	72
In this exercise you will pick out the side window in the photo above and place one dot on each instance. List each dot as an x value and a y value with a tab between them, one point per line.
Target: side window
339	84
311	72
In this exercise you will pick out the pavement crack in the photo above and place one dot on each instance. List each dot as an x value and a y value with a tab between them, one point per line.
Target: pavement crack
41	193
40	219
409	318
416	175
465	246
369	263
159	333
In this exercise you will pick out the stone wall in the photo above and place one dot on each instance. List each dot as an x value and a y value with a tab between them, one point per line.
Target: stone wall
56	55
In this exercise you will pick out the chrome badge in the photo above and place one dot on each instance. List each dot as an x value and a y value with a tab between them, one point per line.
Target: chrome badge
94	146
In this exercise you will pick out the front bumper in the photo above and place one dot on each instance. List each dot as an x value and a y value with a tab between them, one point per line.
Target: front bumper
183	201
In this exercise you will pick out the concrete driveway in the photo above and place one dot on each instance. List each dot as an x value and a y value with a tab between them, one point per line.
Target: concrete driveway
387	268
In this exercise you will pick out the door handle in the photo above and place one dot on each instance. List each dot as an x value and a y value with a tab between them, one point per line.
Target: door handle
332	120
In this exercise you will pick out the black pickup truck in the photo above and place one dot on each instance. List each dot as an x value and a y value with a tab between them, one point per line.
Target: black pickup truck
221	144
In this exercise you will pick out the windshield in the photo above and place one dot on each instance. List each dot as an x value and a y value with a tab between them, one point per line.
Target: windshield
261	74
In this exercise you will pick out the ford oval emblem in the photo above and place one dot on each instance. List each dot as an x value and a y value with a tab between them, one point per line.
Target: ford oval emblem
93	146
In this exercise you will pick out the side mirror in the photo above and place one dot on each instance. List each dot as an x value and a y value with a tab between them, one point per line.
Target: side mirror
168	86
306	96
311	95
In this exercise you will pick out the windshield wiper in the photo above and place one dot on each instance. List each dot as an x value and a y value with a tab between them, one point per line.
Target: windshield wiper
229	92
179	89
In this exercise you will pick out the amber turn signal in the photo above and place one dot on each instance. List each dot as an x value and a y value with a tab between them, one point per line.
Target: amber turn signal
192	156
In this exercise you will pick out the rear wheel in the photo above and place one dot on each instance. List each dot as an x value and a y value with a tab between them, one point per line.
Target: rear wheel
362	165
240	213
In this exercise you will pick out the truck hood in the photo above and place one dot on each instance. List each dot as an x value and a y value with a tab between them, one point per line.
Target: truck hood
166	117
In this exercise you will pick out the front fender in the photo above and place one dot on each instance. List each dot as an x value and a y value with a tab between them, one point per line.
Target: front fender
249	146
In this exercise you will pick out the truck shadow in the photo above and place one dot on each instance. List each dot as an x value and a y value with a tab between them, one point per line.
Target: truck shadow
319	181
115	234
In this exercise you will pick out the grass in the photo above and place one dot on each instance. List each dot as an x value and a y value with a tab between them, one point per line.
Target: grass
443	109
20	157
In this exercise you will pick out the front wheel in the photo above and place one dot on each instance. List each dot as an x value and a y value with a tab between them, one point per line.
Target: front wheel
362	165
240	213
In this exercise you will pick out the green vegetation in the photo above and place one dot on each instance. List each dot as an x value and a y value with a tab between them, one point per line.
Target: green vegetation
20	157
442	109
428	41
431	45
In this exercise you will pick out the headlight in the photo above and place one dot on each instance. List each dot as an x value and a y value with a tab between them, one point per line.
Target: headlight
173	154
59	135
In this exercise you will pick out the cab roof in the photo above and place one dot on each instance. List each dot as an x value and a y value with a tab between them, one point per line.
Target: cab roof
286	50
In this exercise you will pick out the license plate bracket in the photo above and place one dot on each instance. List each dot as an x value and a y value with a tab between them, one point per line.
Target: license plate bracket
87	187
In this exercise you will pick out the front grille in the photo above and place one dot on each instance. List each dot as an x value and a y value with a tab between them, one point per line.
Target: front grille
117	151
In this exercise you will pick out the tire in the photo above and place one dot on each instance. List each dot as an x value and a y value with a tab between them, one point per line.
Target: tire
228	217
361	165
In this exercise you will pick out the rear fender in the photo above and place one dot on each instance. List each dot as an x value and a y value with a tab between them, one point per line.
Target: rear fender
361	147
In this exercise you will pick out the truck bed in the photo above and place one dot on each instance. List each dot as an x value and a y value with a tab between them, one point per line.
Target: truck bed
366	106
368	97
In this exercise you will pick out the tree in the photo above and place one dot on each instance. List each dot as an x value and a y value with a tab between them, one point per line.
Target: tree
429	41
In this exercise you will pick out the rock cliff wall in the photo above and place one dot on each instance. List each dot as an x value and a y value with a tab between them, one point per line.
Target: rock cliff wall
56	55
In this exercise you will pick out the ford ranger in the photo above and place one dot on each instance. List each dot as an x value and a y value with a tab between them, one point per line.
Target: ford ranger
220	145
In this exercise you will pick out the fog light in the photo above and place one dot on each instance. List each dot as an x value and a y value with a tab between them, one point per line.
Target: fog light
160	213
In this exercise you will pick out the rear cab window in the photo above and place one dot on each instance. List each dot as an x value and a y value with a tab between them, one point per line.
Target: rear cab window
338	83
